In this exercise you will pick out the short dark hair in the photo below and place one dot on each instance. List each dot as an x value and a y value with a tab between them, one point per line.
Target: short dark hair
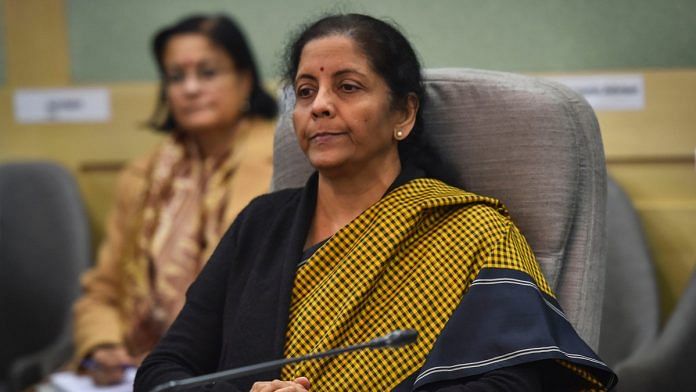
223	32
389	53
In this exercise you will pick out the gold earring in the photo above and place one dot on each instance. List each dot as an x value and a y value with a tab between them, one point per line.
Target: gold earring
399	134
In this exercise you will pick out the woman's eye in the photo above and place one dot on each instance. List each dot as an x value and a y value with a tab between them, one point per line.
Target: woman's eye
174	78
304	92
349	88
207	73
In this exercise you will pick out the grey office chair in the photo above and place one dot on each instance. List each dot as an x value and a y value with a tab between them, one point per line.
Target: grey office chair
645	357
529	142
44	248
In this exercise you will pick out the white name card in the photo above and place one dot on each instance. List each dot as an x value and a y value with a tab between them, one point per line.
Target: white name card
62	105
623	92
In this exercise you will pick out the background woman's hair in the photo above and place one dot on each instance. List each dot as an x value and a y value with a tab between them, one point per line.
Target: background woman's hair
224	33
391	56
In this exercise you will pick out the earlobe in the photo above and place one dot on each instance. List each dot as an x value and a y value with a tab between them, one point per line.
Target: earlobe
398	134
408	121
247	83
246	86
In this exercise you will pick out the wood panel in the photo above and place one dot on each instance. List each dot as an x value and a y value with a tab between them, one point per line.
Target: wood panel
650	153
665	198
667	125
99	145
36	43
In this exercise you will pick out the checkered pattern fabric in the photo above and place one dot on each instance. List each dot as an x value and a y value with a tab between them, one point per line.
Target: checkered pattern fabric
593	384
404	263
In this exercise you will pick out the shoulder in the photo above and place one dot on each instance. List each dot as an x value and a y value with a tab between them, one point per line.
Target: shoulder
262	125
435	193
263	215
472	212
267	211
140	167
135	178
272	204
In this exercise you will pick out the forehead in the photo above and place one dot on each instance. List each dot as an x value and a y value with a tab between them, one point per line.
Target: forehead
331	52
192	47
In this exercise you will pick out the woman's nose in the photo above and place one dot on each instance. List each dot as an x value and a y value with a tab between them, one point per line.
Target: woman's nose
322	106
192	84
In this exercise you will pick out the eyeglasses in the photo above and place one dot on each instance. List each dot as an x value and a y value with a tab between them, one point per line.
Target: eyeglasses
203	75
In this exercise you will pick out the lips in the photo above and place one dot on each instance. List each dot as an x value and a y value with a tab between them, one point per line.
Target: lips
194	110
325	136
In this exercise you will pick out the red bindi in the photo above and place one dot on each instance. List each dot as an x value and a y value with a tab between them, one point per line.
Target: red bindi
321	69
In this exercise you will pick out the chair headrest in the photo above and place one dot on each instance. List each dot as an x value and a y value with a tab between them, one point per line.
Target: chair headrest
523	140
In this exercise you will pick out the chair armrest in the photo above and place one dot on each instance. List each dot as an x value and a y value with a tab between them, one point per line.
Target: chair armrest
33	368
667	363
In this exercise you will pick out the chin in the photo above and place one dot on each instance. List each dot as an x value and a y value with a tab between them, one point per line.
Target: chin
324	165
333	169
194	127
324	161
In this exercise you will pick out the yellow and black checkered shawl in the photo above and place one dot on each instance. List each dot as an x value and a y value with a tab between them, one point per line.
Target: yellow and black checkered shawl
404	263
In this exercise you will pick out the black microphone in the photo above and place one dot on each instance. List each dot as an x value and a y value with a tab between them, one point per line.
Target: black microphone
397	338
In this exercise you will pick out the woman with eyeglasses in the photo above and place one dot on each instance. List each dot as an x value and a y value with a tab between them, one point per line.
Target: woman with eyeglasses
173	205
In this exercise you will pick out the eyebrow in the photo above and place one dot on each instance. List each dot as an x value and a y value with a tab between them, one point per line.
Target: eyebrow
337	73
204	62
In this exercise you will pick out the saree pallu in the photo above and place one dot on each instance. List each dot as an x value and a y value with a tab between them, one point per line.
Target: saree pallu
447	263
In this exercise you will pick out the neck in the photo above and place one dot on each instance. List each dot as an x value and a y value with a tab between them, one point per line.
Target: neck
340	199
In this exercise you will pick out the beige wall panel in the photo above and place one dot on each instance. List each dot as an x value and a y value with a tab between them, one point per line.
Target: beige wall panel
667	125
671	238
656	183
36	43
98	190
124	137
664	193
80	145
665	197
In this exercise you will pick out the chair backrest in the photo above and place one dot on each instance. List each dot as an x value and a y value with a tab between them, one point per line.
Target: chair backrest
644	355
530	142
631	317
44	248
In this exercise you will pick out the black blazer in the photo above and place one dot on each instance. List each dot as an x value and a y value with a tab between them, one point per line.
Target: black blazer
237	310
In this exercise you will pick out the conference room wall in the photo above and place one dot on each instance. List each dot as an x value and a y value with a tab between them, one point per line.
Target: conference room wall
2	47
105	43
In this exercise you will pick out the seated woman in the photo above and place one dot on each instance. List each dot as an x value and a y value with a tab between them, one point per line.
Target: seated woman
173	205
372	244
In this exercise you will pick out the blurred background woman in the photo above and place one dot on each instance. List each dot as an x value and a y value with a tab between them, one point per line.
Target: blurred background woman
173	205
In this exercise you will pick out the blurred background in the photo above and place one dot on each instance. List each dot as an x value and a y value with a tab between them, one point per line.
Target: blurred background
105	44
